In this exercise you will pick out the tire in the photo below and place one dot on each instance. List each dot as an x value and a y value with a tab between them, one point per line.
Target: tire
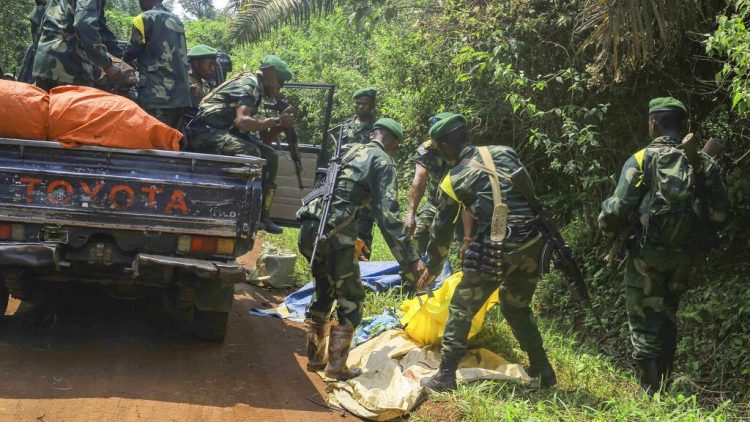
3	300
210	325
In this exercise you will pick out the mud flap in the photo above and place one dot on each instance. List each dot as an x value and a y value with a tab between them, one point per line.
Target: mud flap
213	295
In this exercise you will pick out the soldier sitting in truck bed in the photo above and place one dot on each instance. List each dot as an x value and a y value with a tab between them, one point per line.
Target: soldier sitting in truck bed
226	121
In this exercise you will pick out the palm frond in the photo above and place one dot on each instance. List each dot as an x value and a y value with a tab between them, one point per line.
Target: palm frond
633	33
254	18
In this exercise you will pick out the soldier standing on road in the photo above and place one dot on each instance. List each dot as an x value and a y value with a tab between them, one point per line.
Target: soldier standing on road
157	46
510	264
73	44
227	117
202	68
430	168
357	130
367	178
660	259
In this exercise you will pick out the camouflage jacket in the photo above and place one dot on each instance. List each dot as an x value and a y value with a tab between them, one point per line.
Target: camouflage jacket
622	208
73	42
468	187
219	108
367	179
358	132
428	157
158	45
199	88
35	19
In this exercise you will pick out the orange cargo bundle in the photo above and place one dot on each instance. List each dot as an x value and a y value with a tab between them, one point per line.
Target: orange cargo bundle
87	116
23	111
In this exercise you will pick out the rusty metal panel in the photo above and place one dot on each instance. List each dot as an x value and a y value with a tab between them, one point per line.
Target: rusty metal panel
145	190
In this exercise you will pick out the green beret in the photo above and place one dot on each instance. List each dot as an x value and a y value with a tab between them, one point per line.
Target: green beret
201	51
666	104
391	126
370	92
450	122
282	69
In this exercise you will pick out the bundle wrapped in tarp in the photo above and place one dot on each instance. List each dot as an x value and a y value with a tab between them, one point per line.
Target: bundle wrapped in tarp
81	115
24	110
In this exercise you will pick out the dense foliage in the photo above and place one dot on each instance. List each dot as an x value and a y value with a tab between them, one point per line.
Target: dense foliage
530	74
15	34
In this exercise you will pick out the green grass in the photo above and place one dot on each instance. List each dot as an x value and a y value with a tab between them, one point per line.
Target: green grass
591	386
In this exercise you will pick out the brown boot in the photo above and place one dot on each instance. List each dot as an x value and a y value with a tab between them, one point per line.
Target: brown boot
338	352
317	344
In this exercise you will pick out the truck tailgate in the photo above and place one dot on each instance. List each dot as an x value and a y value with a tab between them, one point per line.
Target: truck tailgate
148	190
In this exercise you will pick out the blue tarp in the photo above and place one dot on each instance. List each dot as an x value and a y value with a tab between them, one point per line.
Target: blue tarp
376	275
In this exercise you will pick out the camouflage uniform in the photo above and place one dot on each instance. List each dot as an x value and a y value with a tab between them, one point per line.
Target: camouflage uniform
199	88
158	45
213	131
428	157
466	186
367	178
73	43
654	276
354	133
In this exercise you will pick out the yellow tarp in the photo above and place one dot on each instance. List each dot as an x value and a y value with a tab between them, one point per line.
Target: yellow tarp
424	317
393	364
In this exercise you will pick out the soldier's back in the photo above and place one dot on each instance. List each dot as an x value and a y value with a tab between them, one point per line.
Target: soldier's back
163	63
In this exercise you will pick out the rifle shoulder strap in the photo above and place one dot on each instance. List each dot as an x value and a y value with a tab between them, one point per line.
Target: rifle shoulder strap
500	210
218	88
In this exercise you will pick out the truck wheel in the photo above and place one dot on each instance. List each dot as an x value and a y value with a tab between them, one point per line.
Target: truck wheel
3	300
210	325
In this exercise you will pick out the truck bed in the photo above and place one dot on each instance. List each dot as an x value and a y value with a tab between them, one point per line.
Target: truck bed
42	182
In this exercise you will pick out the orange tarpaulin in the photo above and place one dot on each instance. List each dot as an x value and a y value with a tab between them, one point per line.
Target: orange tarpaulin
23	111
87	116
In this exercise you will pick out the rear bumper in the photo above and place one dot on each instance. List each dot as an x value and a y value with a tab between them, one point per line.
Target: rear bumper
40	255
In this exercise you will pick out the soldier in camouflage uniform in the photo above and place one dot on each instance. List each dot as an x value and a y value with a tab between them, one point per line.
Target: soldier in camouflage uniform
226	122
430	168
468	186
202	68
367	178
357	130
656	273
157	46
73	44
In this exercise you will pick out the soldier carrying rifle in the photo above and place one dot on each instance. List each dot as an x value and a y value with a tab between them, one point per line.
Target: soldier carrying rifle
666	191
366	177
500	250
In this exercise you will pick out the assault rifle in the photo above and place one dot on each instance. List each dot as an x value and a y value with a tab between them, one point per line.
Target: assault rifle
712	148
328	187
280	106
560	251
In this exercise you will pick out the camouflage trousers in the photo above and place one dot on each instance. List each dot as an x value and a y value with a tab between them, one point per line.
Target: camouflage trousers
654	281
516	289
337	277
172	117
207	139
425	215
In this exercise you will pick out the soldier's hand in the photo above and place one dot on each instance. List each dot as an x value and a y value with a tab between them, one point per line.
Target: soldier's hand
425	280
286	120
410	224
112	72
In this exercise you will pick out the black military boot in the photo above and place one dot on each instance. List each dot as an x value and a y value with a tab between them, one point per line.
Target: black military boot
445	378
265	222
649	375
317	344
540	367
338	351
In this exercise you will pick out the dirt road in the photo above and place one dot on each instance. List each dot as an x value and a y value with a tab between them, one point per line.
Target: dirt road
107	360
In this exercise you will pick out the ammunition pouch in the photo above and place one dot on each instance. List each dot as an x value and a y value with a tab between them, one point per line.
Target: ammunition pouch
484	257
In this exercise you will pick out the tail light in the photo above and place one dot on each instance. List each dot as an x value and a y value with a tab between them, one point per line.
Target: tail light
205	245
12	231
